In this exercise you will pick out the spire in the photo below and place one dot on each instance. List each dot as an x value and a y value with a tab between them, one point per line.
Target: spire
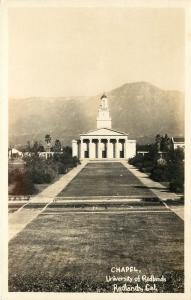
103	118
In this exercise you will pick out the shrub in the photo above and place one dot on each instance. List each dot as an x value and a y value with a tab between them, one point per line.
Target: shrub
177	186
170	169
42	171
137	161
146	166
36	176
13	175
176	176
159	173
75	161
66	160
47	178
24	185
38	170
62	169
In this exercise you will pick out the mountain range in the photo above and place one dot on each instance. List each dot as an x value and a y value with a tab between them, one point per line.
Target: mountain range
140	109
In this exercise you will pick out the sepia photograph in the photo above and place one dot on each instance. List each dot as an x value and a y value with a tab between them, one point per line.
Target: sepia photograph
96	149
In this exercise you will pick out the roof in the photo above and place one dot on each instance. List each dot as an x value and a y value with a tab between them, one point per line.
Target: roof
15	151
105	131
178	139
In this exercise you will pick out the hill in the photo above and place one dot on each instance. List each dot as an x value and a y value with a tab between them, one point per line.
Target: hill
140	109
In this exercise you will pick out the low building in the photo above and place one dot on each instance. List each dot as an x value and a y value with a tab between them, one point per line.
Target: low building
14	153
104	142
48	154
177	142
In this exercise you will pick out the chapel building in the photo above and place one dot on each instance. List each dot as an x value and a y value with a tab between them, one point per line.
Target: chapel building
104	142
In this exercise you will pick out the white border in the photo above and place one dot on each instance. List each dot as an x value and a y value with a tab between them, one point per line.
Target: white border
4	141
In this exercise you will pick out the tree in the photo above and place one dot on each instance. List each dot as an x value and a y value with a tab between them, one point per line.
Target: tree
47	138
57	146
48	141
67	150
158	140
35	148
176	156
153	153
175	162
165	143
41	148
28	146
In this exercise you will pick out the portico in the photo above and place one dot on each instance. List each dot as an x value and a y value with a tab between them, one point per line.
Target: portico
104	142
106	147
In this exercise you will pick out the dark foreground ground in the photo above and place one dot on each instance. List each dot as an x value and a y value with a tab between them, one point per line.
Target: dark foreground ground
67	249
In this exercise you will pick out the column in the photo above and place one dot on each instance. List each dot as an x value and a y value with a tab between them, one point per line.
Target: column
81	149
131	148
125	148
110	149
74	148
91	149
117	154
99	149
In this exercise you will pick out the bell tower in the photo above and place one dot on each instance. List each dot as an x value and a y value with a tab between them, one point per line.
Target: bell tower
103	118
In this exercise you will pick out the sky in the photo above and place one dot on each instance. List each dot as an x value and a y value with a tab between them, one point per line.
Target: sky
58	52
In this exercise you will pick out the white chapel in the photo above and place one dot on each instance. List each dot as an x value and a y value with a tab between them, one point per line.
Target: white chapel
104	142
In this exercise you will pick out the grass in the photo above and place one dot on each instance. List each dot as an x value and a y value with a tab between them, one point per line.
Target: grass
106	179
74	252
70	249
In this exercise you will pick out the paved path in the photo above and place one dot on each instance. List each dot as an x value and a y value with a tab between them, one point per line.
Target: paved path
158	189
24	215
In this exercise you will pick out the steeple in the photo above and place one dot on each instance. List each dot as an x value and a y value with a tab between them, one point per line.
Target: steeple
103	118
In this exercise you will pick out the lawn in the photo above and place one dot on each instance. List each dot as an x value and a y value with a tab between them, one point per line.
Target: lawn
105	179
74	252
71	247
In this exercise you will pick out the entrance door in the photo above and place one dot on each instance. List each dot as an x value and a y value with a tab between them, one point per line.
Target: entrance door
86	154
122	154
104	151
96	149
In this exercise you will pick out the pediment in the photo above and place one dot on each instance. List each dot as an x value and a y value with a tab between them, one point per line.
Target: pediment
105	131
